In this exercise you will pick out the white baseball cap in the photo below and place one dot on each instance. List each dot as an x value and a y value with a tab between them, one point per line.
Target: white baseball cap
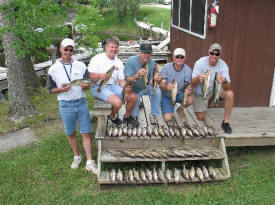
179	51
215	46
67	42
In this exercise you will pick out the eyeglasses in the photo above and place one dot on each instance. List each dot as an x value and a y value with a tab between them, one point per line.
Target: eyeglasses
181	57
70	50
216	54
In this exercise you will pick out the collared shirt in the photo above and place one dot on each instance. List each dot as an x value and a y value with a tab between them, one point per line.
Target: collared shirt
202	65
57	77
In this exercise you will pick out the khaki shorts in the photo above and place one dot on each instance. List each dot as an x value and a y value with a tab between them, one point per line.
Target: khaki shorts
200	105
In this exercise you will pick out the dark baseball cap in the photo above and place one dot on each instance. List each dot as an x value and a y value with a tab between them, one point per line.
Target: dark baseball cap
146	48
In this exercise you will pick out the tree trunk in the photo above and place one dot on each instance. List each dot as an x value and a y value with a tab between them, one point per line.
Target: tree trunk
29	74
19	104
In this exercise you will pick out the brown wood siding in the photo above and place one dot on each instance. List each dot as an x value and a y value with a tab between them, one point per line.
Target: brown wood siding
246	31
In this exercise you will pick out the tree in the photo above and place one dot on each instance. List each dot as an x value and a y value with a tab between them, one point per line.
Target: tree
20	39
28	27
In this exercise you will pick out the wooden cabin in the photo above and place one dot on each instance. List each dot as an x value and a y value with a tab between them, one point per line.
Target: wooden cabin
246	31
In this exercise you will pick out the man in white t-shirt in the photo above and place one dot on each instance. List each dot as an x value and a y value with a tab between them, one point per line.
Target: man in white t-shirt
212	63
111	92
72	101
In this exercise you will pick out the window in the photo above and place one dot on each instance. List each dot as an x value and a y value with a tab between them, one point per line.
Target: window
190	16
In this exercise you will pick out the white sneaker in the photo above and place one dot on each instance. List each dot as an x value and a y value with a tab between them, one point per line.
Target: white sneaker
77	160
91	166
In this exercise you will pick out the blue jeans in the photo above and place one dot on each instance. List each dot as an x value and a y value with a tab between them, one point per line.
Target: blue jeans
106	91
165	103
73	110
155	100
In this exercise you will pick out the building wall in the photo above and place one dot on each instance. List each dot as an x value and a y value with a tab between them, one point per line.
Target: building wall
246	31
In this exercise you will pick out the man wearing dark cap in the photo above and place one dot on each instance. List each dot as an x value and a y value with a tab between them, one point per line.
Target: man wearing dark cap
135	68
214	64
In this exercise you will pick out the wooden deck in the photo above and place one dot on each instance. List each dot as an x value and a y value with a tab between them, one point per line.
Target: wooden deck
251	126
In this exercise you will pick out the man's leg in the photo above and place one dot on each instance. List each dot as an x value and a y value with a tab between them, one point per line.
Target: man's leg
135	112
73	143
116	103
200	115
131	101
87	144
155	100
200	107
228	95
166	108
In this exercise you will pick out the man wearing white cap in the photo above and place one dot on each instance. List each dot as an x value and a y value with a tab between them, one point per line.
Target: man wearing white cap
182	73
72	101
214	64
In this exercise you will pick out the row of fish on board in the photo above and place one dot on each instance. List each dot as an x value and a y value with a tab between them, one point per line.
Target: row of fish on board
158	176
171	132
163	153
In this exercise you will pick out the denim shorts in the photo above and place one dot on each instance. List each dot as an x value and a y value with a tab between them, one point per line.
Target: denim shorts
165	103
106	91
73	110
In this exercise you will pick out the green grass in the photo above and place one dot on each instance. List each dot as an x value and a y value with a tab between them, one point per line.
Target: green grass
127	27
155	16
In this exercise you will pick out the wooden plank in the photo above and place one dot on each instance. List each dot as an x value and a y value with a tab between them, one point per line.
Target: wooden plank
105	179
101	127
159	143
225	163
251	141
142	118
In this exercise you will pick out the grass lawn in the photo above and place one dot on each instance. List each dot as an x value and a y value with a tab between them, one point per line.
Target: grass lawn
40	173
127	29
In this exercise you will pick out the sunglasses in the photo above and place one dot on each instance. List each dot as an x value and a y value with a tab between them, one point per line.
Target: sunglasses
181	57
216	54
70	50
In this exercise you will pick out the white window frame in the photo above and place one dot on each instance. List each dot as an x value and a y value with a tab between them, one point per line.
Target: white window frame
190	19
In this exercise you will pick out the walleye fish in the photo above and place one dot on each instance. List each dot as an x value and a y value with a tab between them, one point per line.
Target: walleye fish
144	132
126	176
148	155
125	131
183	132
155	155
189	132
149	175
192	174
205	173
149	131
143	176
161	132
174	92
128	154
216	90
205	85
139	130
186	153
134	132
201	132
177	132
171	131
79	82
136	175
110	131
115	131
185	173
160	175
166	132
179	154
168	175
162	154
128	84
119	176
155	83
103	82
205	130
184	101
195	131
211	131
176	175
113	175
211	172
119	134
129	132
131	176
145	76
155	131
155	175
199	174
